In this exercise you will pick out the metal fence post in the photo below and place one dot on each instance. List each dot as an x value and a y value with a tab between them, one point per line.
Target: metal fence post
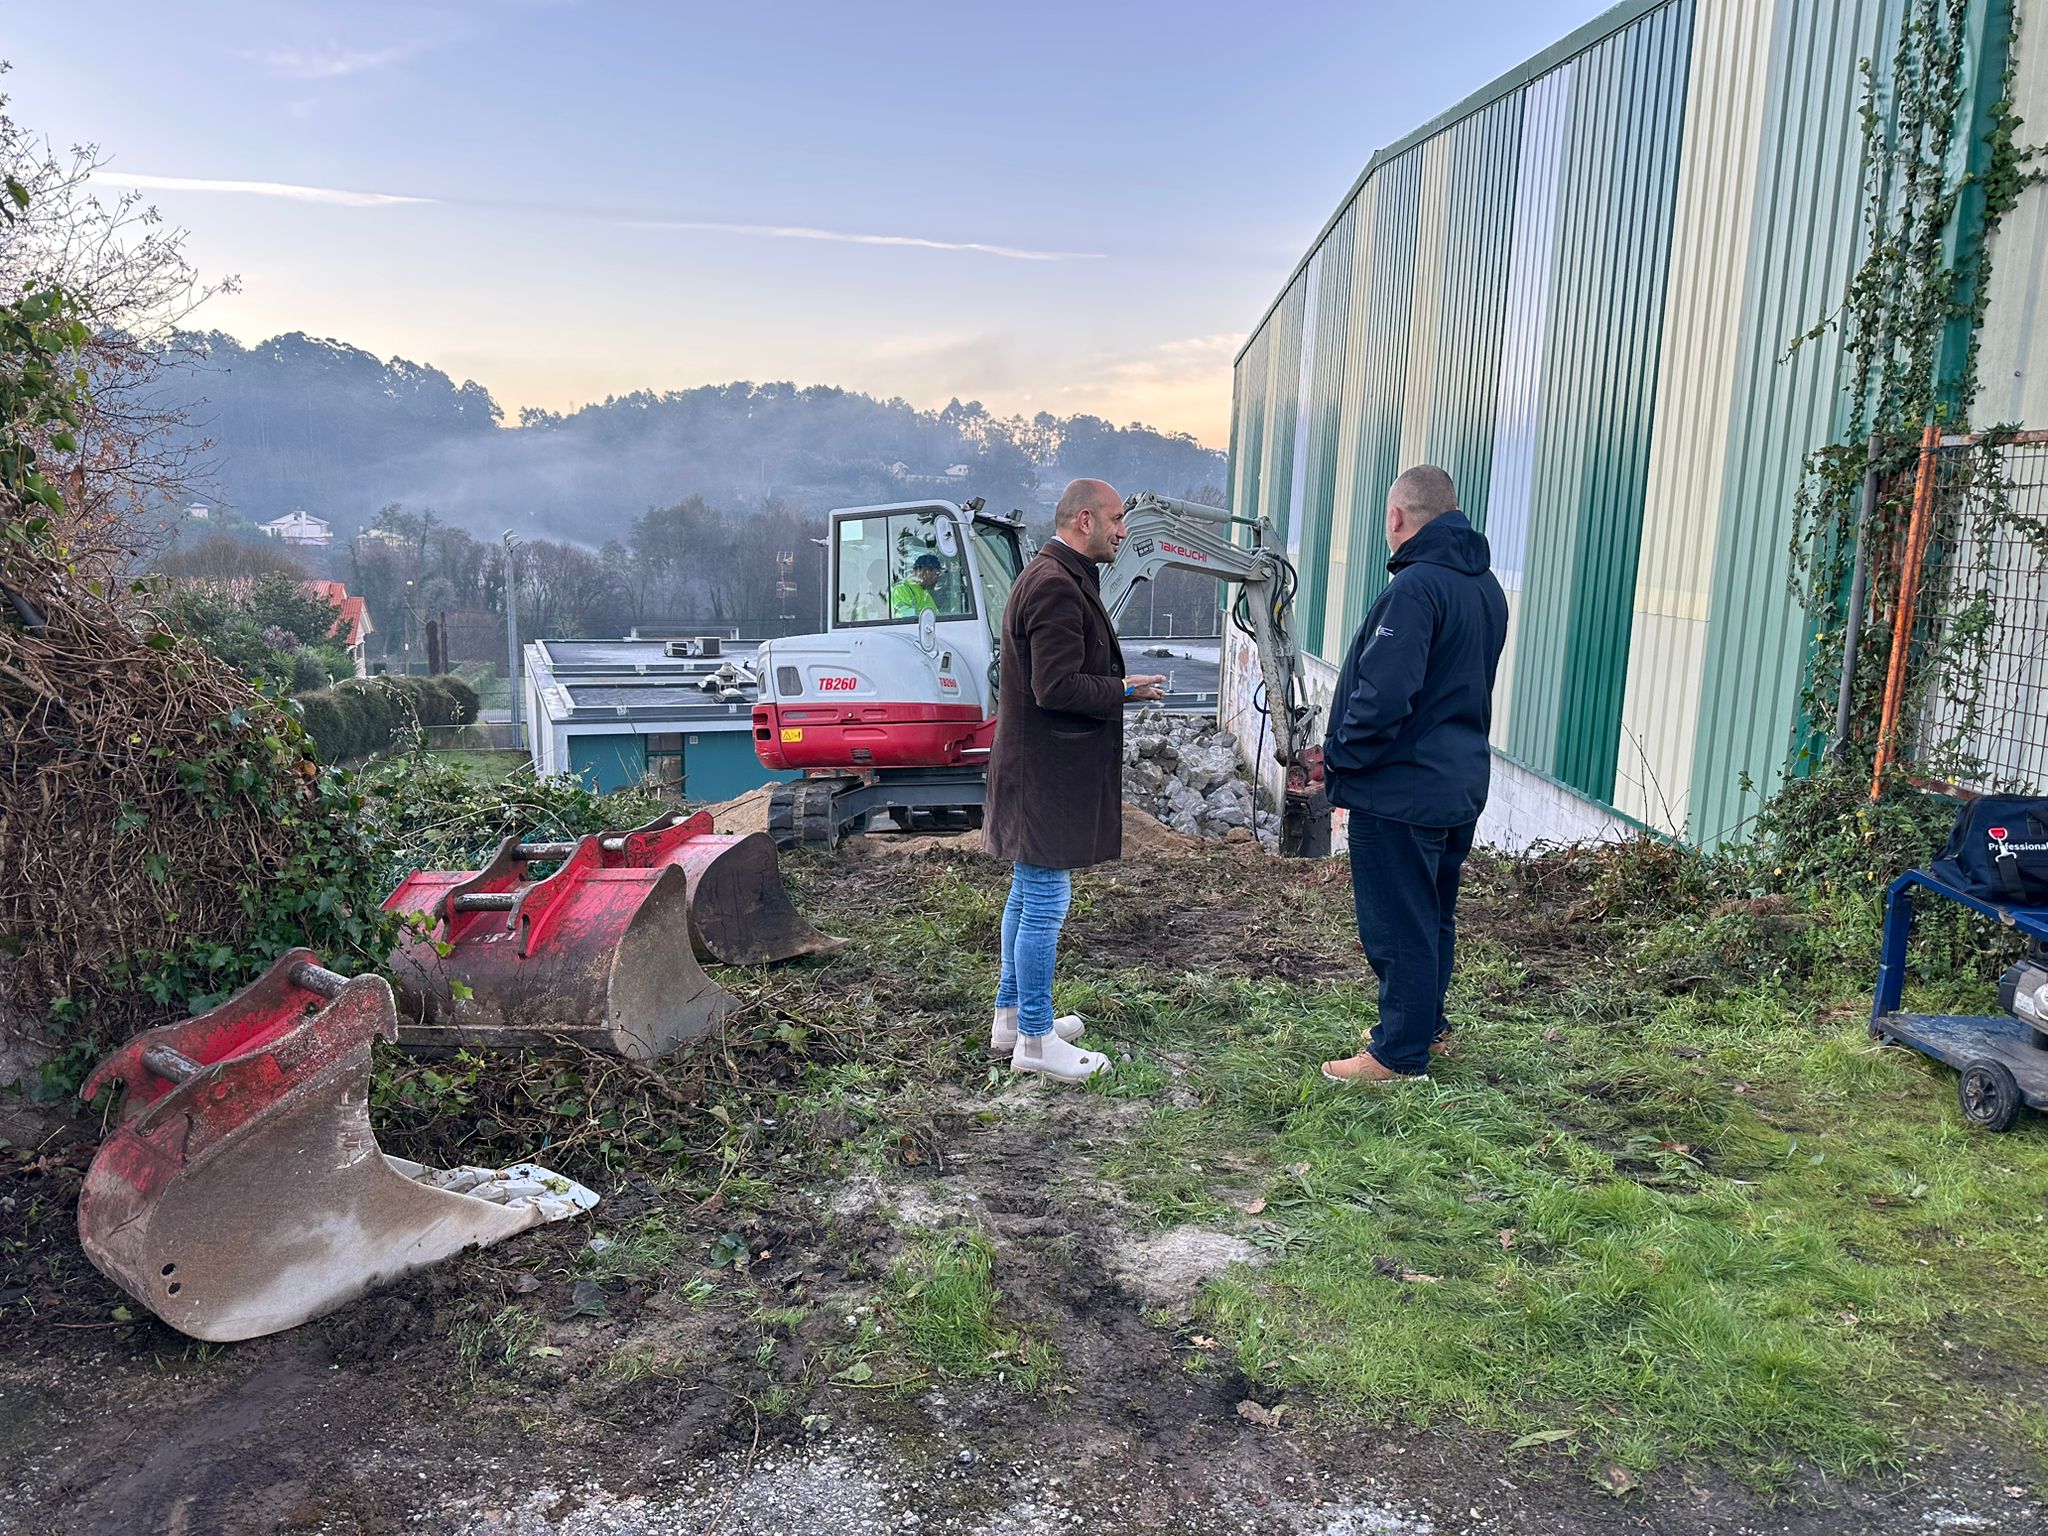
1914	556
512	631
1859	582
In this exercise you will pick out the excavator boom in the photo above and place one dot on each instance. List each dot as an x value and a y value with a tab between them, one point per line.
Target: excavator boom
1164	533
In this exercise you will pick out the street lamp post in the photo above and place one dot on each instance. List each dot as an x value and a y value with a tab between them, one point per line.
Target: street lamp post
512	629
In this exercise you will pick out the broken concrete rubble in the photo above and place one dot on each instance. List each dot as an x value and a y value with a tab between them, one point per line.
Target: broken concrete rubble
1183	771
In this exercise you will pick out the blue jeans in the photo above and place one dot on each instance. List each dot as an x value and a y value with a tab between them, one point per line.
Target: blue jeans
1031	938
1404	885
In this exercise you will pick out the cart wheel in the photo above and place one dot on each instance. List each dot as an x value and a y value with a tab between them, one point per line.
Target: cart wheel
1989	1094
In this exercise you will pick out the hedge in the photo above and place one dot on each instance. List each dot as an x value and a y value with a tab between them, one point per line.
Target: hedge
364	716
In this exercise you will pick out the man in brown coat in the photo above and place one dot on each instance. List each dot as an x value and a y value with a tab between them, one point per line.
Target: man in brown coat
1055	775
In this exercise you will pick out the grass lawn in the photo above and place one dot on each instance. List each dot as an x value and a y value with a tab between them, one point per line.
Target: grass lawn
1670	1203
484	766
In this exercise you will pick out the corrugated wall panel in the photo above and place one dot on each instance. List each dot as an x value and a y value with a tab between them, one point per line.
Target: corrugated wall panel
1388	301
1425	304
1525	321
1805	238
1326	396
2012	369
1485	157
1249	433
1695	379
1304	402
1283	376
1350	415
1621	173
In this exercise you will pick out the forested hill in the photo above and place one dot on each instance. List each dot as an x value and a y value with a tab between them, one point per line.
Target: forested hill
300	422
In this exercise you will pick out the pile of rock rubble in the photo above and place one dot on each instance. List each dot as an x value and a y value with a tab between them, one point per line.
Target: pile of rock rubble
1184	770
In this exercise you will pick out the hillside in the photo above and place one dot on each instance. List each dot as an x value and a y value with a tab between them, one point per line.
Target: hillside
297	421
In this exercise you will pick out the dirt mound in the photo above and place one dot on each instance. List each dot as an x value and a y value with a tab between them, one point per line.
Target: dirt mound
890	844
748	813
1145	836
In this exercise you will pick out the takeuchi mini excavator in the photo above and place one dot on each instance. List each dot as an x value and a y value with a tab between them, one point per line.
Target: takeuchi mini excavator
892	710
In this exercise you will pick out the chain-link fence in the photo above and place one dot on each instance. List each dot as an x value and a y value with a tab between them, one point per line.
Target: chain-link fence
1965	705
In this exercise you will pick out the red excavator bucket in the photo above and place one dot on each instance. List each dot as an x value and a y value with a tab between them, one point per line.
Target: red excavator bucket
241	1191
740	911
597	955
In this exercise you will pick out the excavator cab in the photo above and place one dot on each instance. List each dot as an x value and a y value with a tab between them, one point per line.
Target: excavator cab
889	712
904	676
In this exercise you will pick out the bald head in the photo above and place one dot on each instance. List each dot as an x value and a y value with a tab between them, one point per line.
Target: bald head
1090	518
1084	496
1417	498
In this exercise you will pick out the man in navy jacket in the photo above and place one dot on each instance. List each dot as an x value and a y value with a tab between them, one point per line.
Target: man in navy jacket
1407	756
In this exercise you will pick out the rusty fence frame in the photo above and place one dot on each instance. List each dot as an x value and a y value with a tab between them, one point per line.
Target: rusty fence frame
1908	625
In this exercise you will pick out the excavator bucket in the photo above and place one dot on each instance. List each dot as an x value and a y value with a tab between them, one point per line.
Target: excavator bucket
740	911
241	1190
598	955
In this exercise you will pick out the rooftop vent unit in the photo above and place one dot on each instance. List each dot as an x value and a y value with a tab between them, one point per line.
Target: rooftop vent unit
700	645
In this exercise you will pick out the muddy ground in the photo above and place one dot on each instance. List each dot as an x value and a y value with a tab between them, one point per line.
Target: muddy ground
502	1394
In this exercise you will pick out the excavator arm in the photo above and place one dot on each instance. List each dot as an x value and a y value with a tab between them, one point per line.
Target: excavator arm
1163	533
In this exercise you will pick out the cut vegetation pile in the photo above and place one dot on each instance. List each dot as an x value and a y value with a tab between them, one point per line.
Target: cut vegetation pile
166	828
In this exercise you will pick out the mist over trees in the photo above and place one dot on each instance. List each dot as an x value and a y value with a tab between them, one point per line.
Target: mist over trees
301	422
693	506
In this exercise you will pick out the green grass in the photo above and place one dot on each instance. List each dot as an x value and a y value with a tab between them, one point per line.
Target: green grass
947	1313
1713	1222
484	766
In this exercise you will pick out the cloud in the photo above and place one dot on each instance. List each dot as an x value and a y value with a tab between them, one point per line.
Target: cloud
801	232
332	62
290	191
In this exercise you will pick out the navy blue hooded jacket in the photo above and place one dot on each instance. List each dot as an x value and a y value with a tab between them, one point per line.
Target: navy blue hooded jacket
1414	703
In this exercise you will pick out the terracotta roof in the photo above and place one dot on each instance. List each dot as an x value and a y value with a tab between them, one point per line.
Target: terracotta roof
354	613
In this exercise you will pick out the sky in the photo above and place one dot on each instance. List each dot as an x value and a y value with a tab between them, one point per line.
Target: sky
1063	207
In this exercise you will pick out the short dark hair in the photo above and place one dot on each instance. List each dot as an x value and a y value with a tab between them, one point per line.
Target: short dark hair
1425	493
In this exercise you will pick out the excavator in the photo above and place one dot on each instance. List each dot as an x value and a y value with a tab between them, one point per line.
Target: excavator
891	712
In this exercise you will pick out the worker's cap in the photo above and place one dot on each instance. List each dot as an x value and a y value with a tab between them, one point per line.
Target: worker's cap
925	563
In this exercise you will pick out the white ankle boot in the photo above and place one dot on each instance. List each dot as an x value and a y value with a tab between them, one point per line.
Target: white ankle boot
1060	1060
1002	1033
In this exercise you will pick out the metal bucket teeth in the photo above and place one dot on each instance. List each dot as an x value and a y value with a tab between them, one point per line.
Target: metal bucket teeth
242	1191
600	956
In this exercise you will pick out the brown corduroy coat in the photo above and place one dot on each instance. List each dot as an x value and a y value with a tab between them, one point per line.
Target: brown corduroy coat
1055	774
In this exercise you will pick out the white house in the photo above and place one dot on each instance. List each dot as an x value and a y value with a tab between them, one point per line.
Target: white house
299	527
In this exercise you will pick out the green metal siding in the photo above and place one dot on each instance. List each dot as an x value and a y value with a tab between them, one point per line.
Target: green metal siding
1805	242
1283	398
1492	295
1249	467
1485	158
1325	400
1386	296
1606	318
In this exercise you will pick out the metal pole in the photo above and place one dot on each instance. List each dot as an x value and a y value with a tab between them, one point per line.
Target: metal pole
512	630
1902	621
1852	635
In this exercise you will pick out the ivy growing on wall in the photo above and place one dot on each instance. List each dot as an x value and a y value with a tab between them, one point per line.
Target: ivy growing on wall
1937	181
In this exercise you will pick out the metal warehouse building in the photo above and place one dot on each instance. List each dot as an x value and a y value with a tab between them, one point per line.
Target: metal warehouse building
1576	291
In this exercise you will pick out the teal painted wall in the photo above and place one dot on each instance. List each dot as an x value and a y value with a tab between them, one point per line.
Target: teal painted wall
720	765
607	763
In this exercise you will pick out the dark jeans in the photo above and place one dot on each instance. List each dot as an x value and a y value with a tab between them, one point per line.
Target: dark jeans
1404	883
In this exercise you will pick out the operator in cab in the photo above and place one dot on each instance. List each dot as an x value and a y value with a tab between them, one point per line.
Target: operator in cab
913	595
